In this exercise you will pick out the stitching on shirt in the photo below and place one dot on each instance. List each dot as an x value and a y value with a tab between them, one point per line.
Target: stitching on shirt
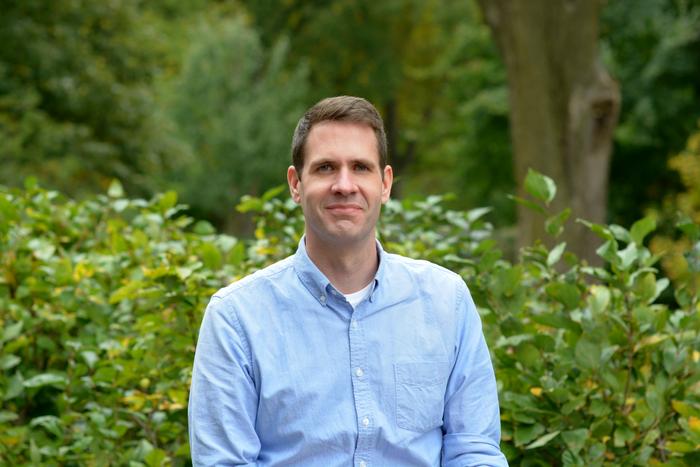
244	340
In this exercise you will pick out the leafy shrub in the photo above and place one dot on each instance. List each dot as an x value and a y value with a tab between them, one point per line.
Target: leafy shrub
100	302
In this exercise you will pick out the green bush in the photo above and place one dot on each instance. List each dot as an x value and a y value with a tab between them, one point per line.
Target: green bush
100	302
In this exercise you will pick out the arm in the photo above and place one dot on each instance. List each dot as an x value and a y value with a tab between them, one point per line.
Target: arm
223	398
472	425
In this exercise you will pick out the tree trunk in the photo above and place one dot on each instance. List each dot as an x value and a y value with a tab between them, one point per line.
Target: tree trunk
563	108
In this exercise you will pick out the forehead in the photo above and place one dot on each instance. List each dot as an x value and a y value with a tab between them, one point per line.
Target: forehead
334	139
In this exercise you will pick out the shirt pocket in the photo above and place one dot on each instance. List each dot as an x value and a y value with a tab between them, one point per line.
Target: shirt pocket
420	394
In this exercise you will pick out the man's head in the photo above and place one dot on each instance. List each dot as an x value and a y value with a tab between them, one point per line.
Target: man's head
339	109
340	176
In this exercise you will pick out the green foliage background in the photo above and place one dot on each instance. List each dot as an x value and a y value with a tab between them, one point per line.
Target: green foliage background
102	300
167	95
101	295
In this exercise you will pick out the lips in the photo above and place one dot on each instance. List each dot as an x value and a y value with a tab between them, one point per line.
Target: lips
344	208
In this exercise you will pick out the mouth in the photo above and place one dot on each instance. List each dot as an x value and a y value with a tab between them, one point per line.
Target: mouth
344	208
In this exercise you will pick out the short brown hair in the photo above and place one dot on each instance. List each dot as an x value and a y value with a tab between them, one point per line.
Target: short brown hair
339	109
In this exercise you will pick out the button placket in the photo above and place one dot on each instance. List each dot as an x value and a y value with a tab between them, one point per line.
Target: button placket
361	393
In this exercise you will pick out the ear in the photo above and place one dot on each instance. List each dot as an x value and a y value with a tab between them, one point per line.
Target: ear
293	180
386	183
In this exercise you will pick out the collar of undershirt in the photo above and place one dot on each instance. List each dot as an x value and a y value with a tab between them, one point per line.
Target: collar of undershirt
318	284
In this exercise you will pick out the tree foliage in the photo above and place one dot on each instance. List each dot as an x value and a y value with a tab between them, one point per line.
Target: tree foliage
653	53
76	101
101	300
432	71
236	104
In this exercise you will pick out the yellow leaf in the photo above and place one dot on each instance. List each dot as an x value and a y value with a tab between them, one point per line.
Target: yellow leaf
651	340
590	384
135	401
696	356
694	424
10	440
537	392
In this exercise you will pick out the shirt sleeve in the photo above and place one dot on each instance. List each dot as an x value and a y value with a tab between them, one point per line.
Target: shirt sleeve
472	426
223	397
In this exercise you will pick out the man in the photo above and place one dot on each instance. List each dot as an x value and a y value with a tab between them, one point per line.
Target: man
343	354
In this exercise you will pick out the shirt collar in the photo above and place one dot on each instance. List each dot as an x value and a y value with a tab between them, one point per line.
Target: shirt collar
318	284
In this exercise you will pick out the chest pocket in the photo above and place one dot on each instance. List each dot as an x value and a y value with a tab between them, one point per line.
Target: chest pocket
420	394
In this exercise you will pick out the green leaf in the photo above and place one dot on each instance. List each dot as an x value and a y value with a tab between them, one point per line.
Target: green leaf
90	358
12	331
50	423
273	192
115	189
565	293
608	251
620	233
14	387
128	291
555	255
543	440
661	285
641	229
575	439
204	228
587	353
528	204
477	213
167	200
6	416
686	409
623	435
46	379
688	227
529	355
681	447
556	320
42	249
524	434
249	203
692	257
554	225
211	257
627	256
599	298
540	186
30	183
645	287
599	229
155	458
9	361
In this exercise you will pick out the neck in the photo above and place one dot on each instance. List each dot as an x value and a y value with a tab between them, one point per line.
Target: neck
349	267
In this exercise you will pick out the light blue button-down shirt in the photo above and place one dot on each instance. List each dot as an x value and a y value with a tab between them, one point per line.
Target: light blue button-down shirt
287	373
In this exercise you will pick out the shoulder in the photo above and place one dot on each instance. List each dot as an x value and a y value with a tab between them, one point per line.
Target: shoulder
421	267
424	273
257	285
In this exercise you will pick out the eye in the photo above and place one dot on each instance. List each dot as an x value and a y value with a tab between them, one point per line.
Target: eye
324	168
361	168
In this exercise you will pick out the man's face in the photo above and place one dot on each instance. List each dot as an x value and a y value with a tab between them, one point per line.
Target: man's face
342	187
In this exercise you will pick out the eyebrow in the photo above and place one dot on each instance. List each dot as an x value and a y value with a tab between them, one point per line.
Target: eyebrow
358	160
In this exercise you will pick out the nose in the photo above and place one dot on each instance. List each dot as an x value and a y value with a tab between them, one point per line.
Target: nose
344	183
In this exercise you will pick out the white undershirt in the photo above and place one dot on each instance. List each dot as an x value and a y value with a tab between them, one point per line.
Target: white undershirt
355	298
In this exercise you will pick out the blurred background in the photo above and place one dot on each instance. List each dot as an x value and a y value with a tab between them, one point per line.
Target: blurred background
202	96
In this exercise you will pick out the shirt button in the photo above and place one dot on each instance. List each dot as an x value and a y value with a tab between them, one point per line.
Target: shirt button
353	324
365	421
359	372
322	299
363	464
